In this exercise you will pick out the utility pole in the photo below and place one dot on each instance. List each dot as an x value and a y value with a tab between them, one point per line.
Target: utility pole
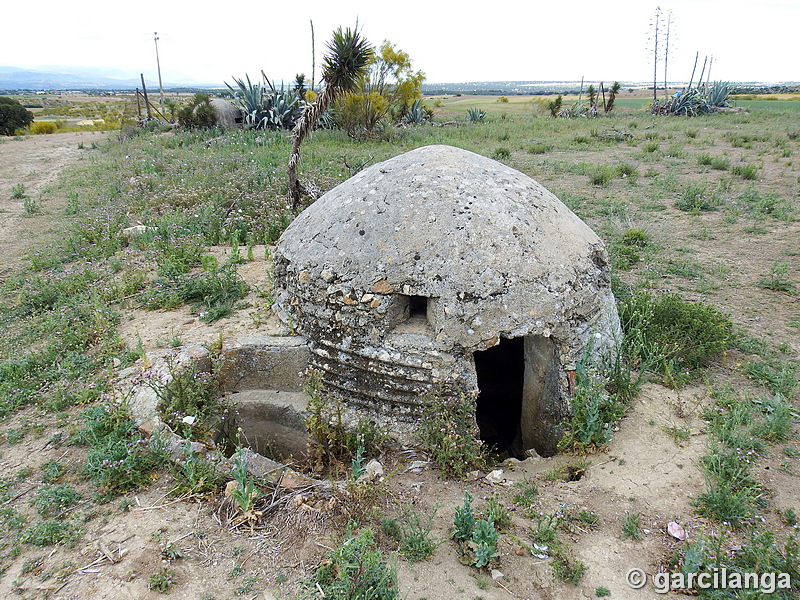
158	64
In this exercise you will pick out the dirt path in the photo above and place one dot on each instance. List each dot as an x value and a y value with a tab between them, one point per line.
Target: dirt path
34	162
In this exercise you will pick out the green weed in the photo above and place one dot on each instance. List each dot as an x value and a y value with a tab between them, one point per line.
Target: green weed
54	499
18	191
777	280
669	335
747	172
449	433
413	533
357	570
631	526
190	401
119	458
162	581
51	532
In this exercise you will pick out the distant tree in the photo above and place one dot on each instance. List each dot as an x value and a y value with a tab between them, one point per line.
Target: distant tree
387	90
198	113
13	116
300	85
349	55
554	106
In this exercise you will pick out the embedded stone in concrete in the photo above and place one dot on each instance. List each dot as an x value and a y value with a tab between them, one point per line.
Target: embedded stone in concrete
402	276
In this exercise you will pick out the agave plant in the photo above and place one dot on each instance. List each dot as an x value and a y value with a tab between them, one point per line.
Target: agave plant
718	94
416	113
249	98
265	109
475	115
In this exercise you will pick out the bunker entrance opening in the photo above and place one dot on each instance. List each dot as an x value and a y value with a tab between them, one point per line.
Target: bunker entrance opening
501	378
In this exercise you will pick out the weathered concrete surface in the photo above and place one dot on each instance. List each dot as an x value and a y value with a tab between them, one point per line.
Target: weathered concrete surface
264	362
399	274
229	116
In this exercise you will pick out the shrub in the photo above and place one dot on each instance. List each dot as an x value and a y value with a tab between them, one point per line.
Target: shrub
667	334
694	198
449	432
43	127
191	402
119	458
198	113
356	570
748	172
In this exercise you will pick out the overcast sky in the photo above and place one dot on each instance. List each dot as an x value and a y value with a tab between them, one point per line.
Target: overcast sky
449	41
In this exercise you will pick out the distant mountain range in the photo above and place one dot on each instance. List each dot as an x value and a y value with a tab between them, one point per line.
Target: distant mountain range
13	78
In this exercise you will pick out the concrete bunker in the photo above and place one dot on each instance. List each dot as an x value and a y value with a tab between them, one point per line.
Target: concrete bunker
443	266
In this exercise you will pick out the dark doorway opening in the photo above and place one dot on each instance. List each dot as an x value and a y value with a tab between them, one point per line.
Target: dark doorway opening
501	376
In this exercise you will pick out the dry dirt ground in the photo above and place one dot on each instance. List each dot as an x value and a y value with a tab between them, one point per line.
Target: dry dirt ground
645	470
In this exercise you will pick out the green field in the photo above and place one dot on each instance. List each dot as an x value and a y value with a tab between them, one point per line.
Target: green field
701	220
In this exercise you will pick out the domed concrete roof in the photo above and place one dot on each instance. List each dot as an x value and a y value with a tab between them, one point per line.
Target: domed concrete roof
442	267
500	253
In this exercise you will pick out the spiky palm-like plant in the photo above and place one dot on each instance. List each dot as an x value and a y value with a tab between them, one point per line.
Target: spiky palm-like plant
349	55
612	95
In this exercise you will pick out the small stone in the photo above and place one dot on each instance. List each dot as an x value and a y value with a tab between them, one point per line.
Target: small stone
495	477
304	276
497	574
532	453
136	230
326	275
375	303
382	287
367	298
372	472
349	301
417	466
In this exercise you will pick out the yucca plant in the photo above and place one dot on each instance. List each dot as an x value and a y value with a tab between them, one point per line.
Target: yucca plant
349	55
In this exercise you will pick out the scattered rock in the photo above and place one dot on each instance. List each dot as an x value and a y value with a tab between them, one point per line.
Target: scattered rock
495	477
497	574
540	551
372	472
136	230
418	465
